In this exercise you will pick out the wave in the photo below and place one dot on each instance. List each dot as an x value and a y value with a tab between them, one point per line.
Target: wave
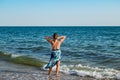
19	59
86	71
99	73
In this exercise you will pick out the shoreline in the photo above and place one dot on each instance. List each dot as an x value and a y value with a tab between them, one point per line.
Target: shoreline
37	75
23	72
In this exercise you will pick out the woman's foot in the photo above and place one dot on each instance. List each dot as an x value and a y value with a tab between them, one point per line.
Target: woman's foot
57	75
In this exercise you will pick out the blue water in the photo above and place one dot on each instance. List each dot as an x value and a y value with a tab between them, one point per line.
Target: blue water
89	46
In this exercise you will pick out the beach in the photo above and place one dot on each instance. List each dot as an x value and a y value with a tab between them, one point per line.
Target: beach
19	68
22	72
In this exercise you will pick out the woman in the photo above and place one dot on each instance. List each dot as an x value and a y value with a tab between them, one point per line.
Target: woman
55	53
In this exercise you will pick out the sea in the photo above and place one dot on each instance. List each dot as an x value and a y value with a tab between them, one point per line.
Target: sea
86	51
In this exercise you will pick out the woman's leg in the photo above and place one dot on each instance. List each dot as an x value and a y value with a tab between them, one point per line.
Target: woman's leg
49	71
57	68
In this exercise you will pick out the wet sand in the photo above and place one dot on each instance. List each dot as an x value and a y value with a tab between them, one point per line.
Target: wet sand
10	71
37	75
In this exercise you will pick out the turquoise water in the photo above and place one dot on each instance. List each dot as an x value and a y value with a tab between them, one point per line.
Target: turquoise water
87	46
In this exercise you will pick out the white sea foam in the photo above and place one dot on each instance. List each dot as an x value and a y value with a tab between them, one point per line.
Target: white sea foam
90	71
15	55
44	67
12	55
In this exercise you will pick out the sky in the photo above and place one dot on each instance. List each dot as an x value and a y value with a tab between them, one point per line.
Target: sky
59	12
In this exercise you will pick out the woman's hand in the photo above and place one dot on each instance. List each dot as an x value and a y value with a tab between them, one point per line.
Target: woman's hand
61	38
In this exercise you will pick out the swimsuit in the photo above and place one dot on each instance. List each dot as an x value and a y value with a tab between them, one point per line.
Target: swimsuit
55	57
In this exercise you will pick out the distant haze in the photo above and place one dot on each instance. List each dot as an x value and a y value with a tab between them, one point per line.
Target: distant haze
60	12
